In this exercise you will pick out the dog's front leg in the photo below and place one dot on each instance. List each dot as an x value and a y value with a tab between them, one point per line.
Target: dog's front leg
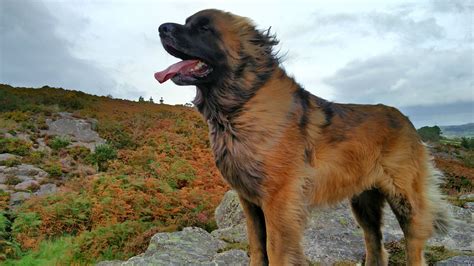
256	232
285	218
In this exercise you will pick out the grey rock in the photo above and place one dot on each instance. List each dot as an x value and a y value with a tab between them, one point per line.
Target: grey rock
229	212
8	135
80	131
8	156
192	246
458	260
110	263
232	257
469	205
23	171
25	185
23	136
18	197
467	197
232	234
42	145
46	189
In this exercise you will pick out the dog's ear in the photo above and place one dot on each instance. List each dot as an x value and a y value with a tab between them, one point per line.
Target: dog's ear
266	41
265	38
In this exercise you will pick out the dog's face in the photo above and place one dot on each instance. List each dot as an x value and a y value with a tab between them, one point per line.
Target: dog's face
212	44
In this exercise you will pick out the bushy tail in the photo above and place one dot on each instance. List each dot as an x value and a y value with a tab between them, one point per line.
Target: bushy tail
439	207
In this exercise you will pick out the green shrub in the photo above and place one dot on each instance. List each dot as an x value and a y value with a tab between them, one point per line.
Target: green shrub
54	170
36	157
25	228
14	146
58	143
17	116
8	248
4	225
102	154
108	242
180	173
467	143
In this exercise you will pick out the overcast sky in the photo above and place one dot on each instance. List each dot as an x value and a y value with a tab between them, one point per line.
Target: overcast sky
415	55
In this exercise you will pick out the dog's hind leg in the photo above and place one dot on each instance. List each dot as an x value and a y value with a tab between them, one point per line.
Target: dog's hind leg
420	210
415	227
256	232
368	210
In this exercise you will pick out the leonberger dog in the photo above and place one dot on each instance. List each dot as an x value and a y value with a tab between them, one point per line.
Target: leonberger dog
285	150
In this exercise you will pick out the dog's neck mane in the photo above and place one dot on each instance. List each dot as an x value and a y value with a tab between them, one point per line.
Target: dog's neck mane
221	103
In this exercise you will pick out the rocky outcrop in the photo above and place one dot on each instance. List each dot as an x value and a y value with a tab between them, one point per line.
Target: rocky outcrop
191	246
80	131
331	236
23	181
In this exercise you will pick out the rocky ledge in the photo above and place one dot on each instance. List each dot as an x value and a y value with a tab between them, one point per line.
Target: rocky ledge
332	236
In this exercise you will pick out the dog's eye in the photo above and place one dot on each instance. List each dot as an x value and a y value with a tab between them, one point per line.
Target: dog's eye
204	28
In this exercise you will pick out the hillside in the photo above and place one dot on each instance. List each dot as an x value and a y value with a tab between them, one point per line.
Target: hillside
466	130
156	173
86	178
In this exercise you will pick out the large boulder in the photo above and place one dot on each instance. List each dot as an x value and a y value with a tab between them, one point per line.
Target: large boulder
191	246
80	131
27	177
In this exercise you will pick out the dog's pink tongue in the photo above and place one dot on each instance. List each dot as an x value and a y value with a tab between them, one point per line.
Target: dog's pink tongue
172	70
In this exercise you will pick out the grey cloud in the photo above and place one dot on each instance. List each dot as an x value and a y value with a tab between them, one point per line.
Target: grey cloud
34	54
409	29
412	78
398	21
455	6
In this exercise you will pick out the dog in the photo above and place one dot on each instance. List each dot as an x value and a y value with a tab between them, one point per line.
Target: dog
285	150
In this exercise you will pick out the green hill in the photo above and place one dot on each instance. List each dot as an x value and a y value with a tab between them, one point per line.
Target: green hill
466	130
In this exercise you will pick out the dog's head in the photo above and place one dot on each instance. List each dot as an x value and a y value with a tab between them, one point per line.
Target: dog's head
214	46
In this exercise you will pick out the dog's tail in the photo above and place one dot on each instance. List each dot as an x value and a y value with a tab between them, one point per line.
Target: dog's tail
438	206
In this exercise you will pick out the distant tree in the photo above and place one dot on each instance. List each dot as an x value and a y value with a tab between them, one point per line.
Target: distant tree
110	96
432	134
161	100
151	100
467	143
141	99
188	104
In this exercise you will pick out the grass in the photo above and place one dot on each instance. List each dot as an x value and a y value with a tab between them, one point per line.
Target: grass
50	252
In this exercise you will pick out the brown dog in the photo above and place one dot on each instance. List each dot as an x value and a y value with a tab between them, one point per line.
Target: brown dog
284	150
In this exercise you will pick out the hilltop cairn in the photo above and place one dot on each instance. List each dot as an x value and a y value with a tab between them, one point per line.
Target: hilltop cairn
332	236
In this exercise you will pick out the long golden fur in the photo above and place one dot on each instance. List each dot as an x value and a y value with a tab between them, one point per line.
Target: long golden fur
285	150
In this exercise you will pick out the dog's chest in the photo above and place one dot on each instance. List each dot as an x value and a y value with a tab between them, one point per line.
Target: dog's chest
236	159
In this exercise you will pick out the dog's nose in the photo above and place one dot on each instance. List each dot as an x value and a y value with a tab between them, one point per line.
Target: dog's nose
165	28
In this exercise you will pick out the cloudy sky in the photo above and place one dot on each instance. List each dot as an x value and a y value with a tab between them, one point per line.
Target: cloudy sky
415	55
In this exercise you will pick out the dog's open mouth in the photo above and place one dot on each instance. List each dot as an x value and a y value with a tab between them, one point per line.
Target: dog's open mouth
187	70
